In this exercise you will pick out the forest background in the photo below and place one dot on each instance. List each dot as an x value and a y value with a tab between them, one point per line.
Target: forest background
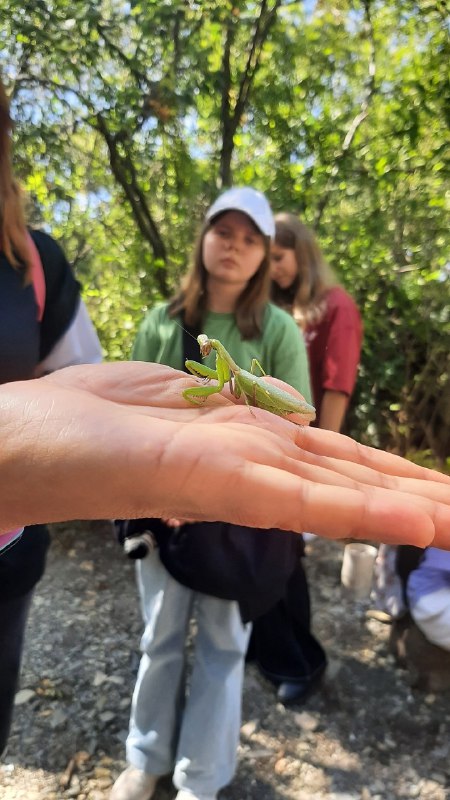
132	116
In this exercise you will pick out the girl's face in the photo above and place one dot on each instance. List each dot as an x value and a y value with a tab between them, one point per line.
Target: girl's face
233	249
283	266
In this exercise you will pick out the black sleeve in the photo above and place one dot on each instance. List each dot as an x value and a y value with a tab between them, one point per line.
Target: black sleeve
62	292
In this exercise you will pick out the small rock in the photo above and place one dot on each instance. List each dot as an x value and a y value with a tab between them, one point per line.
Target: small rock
377	787
74	788
87	566
249	728
305	721
261	753
106	761
438	777
344	796
105	783
333	669
58	719
102	772
107	716
24	696
281	766
99	678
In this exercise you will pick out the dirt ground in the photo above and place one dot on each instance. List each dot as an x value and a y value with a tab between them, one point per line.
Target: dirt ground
367	735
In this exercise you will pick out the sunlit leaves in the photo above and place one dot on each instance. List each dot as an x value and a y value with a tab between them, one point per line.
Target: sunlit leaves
346	123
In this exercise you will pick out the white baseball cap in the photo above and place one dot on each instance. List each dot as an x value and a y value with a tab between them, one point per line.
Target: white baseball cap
249	201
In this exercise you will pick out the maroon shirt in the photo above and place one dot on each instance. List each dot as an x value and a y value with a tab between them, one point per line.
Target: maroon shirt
334	346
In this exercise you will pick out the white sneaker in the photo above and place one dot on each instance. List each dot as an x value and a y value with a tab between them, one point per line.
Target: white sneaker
183	794
134	784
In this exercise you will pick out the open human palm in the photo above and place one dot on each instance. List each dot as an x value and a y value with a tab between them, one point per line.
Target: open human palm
119	440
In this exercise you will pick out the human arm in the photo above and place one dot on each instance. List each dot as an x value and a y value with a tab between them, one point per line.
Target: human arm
85	443
332	410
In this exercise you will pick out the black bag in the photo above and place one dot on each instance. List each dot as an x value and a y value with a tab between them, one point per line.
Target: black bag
249	565
232	562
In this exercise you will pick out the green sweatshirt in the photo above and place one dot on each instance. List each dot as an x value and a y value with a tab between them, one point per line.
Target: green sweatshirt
280	350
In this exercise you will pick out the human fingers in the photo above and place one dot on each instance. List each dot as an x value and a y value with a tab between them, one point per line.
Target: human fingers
425	490
266	490
431	497
279	499
429	490
320	465
347	450
413	496
311	459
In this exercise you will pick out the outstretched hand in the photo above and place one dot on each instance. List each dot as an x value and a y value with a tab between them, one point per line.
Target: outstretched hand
119	440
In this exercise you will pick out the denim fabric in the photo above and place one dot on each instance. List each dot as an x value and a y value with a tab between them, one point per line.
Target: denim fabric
185	720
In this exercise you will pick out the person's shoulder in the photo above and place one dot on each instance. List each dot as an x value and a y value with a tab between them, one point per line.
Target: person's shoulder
157	314
159	310
339	298
46	244
341	305
280	328
278	317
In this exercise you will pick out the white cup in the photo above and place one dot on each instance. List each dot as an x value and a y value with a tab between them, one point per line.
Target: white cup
357	569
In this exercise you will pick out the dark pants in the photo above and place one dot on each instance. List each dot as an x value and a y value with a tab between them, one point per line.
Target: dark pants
13	619
21	567
282	644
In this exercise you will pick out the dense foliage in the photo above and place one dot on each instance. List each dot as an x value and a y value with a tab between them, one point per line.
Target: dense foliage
130	117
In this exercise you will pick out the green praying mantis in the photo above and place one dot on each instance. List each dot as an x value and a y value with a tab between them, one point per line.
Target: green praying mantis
256	391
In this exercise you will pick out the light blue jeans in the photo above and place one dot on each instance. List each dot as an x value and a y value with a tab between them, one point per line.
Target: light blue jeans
192	731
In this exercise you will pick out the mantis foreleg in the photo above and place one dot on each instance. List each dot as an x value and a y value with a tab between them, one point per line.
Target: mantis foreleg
221	374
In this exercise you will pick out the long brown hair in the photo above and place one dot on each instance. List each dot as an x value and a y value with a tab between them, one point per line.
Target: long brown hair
13	231
191	301
305	297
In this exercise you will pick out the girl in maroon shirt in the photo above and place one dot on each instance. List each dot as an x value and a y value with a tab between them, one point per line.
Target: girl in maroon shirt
302	282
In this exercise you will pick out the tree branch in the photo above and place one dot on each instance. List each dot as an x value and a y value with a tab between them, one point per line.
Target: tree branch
370	90
123	170
231	117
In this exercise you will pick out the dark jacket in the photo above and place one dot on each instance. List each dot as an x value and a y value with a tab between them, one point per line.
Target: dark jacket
24	342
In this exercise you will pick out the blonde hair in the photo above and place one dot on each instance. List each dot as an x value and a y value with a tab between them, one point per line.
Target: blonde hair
191	301
13	231
305	298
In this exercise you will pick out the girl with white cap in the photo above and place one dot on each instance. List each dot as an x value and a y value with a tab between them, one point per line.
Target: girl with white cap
225	295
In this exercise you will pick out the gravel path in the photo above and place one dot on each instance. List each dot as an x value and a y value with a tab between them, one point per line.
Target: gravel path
365	736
